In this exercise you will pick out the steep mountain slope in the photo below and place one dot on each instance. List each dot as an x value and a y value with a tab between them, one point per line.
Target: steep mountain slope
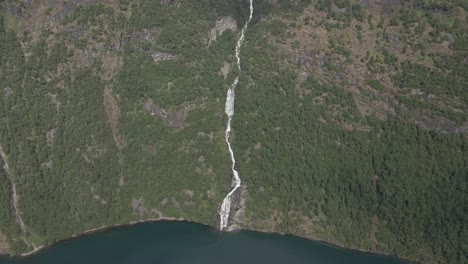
350	122
110	113
352	127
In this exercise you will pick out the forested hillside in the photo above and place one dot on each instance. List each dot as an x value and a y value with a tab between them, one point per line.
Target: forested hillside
110	114
350	127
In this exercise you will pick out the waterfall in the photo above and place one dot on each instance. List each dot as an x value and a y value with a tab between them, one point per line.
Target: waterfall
225	207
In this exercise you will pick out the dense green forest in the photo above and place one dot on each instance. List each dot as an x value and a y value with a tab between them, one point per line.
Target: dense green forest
316	165
350	120
83	147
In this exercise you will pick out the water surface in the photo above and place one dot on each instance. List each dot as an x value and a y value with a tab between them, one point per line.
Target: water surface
183	242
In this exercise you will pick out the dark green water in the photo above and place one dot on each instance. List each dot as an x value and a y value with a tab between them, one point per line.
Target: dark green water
181	242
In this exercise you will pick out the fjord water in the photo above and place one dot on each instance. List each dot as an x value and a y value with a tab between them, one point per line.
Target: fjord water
183	242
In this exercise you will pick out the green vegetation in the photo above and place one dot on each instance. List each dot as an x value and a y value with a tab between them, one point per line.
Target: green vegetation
350	121
83	148
316	166
376	85
10	228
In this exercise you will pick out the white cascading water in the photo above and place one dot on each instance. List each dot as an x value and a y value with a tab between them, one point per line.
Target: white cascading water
225	207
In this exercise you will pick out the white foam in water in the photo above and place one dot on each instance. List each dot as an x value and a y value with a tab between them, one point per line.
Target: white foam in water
225	207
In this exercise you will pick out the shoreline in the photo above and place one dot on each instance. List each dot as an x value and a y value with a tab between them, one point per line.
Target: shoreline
332	244
103	229
98	230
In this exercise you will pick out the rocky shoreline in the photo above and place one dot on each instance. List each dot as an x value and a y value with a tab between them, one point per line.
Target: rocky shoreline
101	230
171	219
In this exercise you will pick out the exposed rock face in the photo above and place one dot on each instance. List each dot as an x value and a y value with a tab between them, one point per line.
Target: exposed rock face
54	101
139	207
157	213
337	9
8	92
113	113
174	119
4	247
161	56
189	193
225	69
50	136
222	24
140	37
237	208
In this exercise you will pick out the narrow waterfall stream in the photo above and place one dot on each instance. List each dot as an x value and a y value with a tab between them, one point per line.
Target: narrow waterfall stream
225	207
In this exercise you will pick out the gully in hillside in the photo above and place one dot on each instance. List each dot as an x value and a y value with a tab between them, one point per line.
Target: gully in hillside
225	207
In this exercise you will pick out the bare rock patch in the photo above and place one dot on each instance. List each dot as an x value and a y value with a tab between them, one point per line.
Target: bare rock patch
139	207
225	69
222	24
162	56
50	136
8	92
4	247
113	112
173	118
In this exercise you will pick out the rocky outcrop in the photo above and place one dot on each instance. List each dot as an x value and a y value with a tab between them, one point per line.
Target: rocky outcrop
237	215
222	24
138	207
143	36
174	119
161	56
50	135
4	247
8	92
